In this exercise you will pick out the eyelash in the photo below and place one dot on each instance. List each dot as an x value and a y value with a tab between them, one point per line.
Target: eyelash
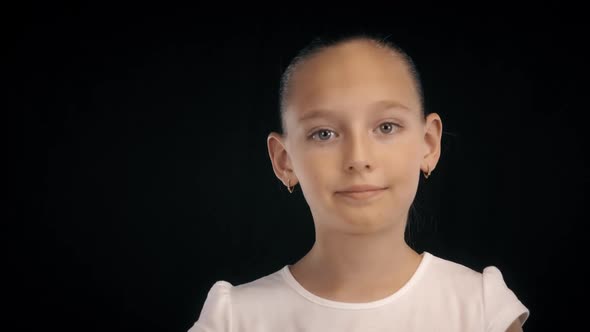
323	129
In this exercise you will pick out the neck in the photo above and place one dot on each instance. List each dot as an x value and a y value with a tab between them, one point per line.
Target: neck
358	262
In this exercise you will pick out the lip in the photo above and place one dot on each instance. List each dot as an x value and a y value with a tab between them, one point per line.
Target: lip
361	192
361	188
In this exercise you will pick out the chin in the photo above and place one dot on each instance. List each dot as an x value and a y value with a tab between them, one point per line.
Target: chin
363	223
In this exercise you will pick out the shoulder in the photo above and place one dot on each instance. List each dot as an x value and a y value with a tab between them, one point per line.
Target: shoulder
259	289
499	305
224	299
216	311
502	306
455	275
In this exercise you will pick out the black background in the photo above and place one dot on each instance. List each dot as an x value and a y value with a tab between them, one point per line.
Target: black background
146	176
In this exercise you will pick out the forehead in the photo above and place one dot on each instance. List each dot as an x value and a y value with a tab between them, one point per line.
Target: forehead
352	76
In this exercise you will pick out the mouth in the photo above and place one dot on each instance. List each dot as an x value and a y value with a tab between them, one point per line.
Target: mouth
361	192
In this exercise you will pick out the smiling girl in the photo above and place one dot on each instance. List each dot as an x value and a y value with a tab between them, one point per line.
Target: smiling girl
356	139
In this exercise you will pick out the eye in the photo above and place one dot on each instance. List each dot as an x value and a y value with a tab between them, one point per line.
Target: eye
322	134
387	127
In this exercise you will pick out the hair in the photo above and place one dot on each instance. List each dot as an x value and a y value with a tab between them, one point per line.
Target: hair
321	43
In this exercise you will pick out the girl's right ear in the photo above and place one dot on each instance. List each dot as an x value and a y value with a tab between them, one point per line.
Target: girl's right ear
281	164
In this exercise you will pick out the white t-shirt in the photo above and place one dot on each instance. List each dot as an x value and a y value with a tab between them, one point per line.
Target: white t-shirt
440	296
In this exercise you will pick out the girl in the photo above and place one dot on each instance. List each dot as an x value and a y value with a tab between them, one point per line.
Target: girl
356	139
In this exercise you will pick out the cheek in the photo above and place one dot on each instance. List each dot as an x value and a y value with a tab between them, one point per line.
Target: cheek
403	167
315	172
313	167
404	164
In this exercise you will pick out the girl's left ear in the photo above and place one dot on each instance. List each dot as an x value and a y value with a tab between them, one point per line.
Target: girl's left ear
432	139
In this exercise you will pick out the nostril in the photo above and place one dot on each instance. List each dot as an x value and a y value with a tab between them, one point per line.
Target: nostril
359	166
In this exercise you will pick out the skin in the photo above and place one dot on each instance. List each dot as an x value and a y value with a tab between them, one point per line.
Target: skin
359	253
369	129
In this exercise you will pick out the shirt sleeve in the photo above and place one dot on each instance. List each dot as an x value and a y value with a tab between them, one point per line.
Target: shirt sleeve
501	305
216	313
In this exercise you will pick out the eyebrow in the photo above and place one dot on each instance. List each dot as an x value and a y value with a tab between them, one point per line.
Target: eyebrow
377	106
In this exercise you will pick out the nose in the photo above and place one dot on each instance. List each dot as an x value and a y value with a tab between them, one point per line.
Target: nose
358	166
358	152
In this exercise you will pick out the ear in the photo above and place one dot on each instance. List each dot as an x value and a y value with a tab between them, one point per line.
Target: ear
281	164
432	139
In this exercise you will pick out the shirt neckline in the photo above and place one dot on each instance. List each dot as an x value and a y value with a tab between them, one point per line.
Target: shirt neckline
290	279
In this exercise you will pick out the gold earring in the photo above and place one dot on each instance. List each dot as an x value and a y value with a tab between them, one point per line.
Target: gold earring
427	173
289	186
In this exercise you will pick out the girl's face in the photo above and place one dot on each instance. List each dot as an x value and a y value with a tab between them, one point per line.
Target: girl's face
353	122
